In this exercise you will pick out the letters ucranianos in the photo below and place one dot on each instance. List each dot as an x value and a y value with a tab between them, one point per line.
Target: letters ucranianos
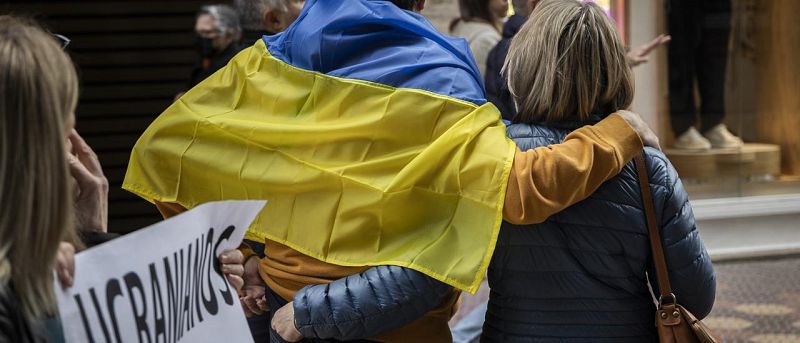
163	283
177	292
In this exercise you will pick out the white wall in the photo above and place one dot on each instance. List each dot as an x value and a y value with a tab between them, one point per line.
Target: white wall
646	20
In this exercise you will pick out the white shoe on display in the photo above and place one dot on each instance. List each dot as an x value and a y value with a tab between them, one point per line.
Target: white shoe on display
691	140
721	138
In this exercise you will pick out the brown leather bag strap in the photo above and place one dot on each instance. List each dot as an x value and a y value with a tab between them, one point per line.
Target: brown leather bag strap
652	228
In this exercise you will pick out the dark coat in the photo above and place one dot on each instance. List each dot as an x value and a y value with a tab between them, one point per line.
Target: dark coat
583	274
14	327
496	84
204	67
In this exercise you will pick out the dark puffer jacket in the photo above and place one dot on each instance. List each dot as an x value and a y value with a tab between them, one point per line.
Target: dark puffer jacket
580	276
376	301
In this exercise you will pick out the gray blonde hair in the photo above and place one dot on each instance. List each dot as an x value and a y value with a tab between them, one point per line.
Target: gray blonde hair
251	12
38	95
568	63
225	17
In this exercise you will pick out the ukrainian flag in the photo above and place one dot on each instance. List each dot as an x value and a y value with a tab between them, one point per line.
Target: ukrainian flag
366	130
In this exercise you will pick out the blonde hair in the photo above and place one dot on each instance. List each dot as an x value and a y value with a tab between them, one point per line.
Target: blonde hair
38	93
568	63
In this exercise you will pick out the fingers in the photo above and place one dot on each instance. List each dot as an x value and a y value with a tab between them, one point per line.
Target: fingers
65	264
236	281
233	256
85	154
78	171
251	304
656	42
84	166
648	137
651	140
263	304
233	269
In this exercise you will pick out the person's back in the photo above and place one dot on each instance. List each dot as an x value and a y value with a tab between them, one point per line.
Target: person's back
582	275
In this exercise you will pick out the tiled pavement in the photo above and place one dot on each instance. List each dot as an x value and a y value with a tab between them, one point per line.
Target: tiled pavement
758	301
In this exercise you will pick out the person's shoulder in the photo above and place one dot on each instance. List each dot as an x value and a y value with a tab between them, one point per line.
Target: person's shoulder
486	31
475	29
659	168
532	136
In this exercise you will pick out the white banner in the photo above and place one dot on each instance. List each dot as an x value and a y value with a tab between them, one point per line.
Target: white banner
161	283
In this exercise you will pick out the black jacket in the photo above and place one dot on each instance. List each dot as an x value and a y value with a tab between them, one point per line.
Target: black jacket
583	275
215	62
13	325
496	84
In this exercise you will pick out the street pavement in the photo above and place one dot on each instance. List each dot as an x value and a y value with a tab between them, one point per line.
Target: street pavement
757	301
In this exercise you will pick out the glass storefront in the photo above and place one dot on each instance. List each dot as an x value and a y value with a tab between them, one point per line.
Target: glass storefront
728	94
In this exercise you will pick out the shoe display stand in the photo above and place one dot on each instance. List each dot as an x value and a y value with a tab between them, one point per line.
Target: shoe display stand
752	161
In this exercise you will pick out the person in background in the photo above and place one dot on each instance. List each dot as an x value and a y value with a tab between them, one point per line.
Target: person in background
38	93
52	187
496	84
218	31
265	17
480	23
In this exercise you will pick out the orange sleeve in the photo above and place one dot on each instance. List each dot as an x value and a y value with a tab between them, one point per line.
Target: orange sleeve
546	180
169	209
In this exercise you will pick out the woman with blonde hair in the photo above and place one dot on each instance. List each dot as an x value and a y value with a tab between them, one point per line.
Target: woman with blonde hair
584	275
53	193
38	94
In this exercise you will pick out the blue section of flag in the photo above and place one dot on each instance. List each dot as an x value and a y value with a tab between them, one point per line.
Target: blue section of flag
379	42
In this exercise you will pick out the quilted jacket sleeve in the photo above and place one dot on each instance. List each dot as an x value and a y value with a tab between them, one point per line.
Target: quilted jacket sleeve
691	273
364	305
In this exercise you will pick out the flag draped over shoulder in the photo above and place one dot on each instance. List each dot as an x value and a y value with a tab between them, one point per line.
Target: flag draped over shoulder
364	128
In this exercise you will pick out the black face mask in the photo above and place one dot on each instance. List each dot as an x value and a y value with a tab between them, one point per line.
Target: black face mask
204	47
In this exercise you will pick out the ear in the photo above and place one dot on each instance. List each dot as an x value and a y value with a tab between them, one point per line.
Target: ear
272	21
420	6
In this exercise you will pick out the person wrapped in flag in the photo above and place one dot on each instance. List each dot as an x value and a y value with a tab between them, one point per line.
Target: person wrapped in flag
369	134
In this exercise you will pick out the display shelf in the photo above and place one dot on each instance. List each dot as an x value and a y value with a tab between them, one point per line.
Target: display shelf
752	161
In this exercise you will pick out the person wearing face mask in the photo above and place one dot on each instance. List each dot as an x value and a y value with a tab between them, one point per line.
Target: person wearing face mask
265	17
218	31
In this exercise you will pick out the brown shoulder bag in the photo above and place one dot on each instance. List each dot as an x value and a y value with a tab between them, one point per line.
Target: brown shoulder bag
675	324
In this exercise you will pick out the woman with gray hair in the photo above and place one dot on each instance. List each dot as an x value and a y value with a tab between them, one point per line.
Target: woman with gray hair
218	33
266	17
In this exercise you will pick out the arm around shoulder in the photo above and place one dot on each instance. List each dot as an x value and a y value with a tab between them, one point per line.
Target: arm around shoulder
546	180
364	305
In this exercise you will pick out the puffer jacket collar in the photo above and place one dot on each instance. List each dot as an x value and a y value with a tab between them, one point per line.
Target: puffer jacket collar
530	136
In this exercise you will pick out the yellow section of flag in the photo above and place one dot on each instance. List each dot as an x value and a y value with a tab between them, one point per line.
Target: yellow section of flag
355	173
